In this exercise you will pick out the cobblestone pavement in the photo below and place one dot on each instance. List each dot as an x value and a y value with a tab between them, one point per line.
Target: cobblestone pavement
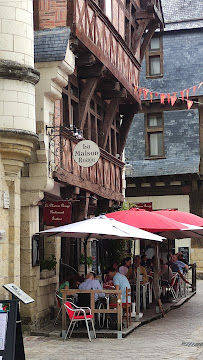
159	340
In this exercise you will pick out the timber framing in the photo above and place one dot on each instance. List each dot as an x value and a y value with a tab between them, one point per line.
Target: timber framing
85	98
128	113
177	184
108	120
65	177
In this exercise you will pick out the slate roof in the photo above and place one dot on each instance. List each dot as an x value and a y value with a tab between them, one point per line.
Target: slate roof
182	14
51	44
180	165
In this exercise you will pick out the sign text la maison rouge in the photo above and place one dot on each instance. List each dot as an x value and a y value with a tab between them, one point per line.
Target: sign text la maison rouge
86	153
57	213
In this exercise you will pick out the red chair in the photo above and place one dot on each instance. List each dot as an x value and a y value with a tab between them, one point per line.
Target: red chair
59	301
126	306
74	313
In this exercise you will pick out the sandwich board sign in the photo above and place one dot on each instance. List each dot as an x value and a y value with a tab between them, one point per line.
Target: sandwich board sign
11	339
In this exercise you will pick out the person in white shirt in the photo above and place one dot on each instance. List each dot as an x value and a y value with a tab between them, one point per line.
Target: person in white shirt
123	269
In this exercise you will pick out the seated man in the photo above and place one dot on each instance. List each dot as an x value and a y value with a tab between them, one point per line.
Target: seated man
143	272
120	281
91	283
181	265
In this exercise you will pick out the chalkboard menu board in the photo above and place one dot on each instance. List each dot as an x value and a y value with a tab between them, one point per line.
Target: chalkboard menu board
186	253
11	339
8	329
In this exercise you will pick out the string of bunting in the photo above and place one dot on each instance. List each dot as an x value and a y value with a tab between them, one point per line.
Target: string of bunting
170	97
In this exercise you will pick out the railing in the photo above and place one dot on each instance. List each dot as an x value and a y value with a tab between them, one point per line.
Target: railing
104	178
69	292
93	28
193	267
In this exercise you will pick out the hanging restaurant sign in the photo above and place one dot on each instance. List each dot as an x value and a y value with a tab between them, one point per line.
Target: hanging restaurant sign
144	205
86	153
57	213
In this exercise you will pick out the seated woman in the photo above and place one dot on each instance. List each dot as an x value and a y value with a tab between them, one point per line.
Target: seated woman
123	269
64	285
165	272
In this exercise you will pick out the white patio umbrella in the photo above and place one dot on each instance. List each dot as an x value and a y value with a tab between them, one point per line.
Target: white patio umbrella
101	227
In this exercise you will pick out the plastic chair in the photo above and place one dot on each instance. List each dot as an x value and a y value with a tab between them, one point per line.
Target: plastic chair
74	313
59	301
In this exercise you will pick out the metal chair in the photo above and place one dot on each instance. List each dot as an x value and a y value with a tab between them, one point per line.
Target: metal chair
59	301
172	286
74	313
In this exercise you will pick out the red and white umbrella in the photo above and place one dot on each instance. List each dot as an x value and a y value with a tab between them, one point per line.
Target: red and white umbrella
193	223
146	220
182	217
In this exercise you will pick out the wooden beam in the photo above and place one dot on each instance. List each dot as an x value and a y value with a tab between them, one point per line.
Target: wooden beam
69	178
140	15
109	94
131	110
136	40
85	98
147	39
85	59
108	85
96	70
108	120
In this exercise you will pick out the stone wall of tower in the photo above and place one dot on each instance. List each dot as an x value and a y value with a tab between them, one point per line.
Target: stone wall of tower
17	124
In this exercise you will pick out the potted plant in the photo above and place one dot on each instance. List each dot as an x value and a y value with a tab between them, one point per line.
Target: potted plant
82	263
48	267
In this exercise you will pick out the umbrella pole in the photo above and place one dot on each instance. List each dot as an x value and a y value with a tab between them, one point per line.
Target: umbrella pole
133	314
85	249
168	269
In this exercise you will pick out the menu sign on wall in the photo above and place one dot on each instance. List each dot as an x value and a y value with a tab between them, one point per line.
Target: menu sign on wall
57	213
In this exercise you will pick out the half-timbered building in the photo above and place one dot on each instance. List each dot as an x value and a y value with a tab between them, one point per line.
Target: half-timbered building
88	54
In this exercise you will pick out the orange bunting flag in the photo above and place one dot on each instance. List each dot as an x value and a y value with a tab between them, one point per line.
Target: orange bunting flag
189	104
145	92
173	100
187	92
182	95
194	89
200	85
174	94
169	98
156	94
140	91
151	96
162	98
